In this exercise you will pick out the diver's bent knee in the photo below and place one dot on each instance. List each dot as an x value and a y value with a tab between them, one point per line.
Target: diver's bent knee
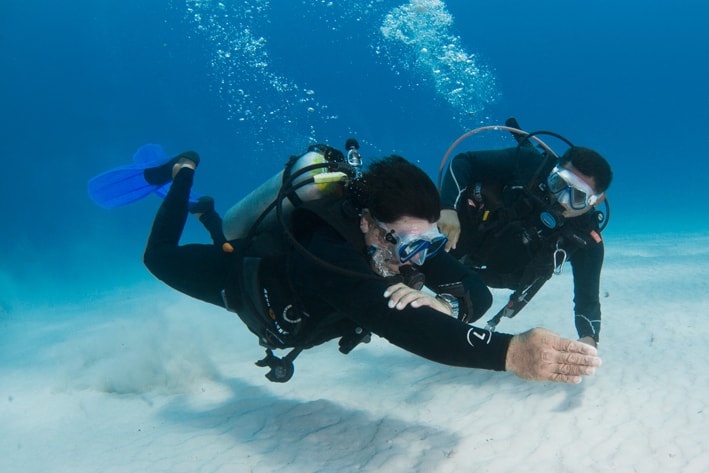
152	262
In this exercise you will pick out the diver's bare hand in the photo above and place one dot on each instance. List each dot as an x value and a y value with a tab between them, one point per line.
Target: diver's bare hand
542	355
400	295
449	225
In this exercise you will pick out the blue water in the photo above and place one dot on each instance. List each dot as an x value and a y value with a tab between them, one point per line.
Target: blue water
247	83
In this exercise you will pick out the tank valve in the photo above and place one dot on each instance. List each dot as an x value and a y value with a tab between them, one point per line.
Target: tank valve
353	157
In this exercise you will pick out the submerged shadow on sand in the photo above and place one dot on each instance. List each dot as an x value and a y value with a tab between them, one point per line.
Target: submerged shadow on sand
313	434
429	373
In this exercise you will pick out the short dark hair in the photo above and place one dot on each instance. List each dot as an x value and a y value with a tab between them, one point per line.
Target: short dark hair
590	163
393	188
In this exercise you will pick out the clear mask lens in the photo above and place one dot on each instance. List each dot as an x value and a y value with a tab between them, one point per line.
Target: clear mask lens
570	190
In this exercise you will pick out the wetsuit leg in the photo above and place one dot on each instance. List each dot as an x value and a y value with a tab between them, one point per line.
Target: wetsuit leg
213	223
197	270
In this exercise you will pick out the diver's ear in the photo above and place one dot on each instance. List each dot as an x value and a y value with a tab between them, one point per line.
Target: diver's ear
600	199
364	221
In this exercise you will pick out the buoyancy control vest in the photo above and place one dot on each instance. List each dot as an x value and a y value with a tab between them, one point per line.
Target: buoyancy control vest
260	290
516	230
511	234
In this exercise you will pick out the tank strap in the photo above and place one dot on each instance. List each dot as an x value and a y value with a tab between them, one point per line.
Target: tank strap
292	196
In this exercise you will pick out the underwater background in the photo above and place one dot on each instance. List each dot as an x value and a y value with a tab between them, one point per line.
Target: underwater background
104	368
248	83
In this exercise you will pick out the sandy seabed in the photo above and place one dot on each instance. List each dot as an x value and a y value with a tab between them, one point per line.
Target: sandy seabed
148	380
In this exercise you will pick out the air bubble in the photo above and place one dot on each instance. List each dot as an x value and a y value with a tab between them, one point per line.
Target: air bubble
417	37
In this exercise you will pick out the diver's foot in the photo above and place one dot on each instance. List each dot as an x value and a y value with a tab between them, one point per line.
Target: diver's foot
205	204
182	163
166	172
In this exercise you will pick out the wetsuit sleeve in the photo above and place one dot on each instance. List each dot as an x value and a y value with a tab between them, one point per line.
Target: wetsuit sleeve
445	274
586	264
358	295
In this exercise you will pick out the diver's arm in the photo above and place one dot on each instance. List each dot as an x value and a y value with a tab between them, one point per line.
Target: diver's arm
466	178
446	275
538	354
426	331
423	331
457	177
586	265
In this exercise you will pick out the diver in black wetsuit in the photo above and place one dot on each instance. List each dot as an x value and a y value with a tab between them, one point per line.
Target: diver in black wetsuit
346	279
515	215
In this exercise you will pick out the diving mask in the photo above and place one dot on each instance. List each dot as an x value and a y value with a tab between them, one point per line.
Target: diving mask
570	190
415	247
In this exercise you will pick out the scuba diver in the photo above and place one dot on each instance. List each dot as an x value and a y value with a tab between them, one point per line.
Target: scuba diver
338	253
517	215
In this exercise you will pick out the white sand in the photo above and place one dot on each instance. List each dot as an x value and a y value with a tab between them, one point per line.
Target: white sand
157	382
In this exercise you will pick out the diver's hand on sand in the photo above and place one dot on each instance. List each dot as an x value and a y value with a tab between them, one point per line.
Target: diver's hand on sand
542	355
449	225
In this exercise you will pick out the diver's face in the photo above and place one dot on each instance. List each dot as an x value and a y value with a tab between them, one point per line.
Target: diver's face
383	257
584	183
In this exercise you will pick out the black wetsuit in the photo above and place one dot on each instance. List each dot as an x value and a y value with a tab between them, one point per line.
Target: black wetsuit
490	181
204	271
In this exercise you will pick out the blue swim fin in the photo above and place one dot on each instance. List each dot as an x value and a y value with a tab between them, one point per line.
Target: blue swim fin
125	184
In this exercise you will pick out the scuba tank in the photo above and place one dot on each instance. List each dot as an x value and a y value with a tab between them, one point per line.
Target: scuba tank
313	165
